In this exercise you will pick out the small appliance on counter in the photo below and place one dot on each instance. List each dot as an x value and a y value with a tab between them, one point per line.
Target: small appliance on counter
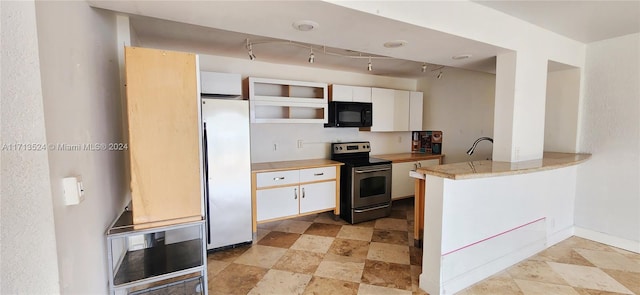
429	142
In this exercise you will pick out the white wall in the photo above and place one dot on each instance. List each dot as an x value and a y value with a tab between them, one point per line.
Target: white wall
80	83
561	111
28	244
461	105
608	196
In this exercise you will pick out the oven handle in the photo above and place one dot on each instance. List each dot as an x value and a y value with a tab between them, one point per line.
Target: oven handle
372	170
370	209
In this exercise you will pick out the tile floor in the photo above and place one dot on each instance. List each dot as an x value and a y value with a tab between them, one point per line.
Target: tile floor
317	255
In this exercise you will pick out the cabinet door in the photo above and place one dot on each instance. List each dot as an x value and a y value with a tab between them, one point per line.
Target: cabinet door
402	184
415	111
277	202
361	94
341	93
164	135
383	106
317	196
401	110
427	163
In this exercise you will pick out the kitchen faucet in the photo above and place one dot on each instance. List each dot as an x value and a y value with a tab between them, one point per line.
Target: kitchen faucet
473	147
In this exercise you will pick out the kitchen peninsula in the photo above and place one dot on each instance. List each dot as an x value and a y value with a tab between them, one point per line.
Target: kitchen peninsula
483	216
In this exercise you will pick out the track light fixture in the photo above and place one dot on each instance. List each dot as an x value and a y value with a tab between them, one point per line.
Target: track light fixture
250	48
312	57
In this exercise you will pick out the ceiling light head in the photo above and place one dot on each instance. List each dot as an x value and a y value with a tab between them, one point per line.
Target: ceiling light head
424	67
439	75
369	68
312	57
305	25
461	56
395	43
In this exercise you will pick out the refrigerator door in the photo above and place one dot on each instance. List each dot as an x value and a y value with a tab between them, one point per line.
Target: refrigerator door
229	171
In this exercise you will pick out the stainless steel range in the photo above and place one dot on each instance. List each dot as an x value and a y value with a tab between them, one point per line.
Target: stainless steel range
365	182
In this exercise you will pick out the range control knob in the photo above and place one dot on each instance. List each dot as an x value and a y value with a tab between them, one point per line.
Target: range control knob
340	148
336	148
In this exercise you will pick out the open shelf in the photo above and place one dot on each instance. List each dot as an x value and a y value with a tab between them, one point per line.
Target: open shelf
151	262
284	101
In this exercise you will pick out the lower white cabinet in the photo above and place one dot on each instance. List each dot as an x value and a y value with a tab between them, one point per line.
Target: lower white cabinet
277	196
402	185
277	202
317	196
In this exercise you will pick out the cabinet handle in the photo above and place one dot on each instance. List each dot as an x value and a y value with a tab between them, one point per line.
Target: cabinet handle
295	193
318	174
303	192
278	178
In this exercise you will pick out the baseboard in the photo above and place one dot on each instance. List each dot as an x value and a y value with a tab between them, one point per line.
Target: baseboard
560	236
629	245
469	278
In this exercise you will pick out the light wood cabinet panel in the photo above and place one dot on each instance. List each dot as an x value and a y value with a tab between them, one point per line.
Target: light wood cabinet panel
164	141
415	111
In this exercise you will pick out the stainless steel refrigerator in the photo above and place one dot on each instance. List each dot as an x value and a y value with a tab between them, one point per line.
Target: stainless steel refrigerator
227	172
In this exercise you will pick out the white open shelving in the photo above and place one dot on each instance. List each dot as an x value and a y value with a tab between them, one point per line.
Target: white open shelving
286	101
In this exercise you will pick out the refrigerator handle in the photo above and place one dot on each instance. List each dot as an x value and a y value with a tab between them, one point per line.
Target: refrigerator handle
206	180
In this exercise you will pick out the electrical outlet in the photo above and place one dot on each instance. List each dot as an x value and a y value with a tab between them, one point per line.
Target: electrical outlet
299	143
275	147
399	139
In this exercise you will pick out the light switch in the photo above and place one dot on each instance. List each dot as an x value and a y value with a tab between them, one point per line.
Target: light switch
73	190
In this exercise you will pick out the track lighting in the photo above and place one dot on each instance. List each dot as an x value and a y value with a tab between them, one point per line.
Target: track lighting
350	54
250	48
312	57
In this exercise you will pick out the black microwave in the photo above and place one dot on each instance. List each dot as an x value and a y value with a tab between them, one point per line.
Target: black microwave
349	114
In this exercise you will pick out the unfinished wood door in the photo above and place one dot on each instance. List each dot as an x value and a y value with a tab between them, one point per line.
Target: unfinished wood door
162	107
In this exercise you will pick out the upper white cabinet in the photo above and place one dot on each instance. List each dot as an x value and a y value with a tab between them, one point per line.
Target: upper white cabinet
285	101
415	111
396	110
350	93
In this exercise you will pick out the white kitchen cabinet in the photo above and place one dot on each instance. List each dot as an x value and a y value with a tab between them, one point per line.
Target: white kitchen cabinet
317	196
350	93
383	109
286	193
286	101
396	110
277	202
402	185
415	110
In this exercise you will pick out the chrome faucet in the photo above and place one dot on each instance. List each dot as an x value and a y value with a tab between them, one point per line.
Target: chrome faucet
473	147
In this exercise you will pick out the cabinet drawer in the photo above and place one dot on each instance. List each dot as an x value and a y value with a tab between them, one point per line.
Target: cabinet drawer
267	179
316	174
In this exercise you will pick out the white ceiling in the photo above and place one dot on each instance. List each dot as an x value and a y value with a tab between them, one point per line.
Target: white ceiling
584	21
222	27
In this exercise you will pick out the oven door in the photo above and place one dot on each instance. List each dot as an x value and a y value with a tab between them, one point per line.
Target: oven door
371	185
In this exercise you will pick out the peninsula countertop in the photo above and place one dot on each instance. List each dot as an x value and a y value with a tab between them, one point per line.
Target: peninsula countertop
488	168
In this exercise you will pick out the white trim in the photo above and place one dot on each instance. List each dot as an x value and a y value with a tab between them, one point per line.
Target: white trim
560	236
629	245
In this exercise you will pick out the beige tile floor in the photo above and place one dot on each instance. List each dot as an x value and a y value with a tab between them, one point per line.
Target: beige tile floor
317	255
